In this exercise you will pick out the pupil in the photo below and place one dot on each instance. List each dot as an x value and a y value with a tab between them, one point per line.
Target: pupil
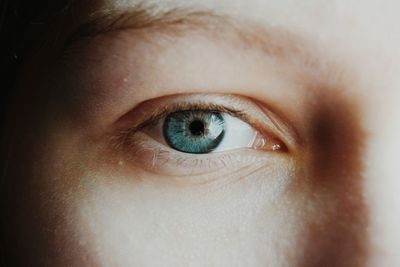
197	128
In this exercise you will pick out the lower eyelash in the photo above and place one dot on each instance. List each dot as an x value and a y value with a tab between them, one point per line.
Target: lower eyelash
161	160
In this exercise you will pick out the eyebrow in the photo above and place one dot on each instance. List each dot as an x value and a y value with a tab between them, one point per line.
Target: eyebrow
143	16
274	41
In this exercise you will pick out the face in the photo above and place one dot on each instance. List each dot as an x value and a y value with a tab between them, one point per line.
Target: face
229	133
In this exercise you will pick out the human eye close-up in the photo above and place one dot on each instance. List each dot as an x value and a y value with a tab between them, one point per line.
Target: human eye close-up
200	133
196	133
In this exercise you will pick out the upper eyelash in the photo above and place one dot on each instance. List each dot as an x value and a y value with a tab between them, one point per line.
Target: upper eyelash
159	114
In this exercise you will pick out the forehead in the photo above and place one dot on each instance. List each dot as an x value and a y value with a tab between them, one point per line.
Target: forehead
349	29
360	24
287	12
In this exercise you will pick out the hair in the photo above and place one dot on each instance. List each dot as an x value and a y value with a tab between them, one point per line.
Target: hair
20	20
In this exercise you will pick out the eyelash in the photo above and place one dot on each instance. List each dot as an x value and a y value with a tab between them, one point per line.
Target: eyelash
161	156
160	114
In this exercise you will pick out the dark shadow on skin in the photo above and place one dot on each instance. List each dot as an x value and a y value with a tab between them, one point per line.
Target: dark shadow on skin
21	23
336	233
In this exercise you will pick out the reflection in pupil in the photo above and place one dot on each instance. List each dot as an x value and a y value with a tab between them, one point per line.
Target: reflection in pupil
197	128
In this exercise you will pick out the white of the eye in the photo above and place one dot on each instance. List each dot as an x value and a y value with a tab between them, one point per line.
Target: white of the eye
238	134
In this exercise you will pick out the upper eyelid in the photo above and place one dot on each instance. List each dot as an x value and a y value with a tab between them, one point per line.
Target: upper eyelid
269	40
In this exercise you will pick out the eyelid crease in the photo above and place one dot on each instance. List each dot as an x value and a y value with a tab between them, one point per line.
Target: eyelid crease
282	127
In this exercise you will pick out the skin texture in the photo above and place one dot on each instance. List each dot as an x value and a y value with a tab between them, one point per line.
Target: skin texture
326	71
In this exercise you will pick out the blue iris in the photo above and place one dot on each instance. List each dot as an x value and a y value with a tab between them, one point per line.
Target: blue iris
194	131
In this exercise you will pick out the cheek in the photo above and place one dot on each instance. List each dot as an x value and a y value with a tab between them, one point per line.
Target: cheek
248	221
66	216
274	216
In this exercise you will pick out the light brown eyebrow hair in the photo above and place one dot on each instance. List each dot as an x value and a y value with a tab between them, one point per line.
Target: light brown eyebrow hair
274	41
142	16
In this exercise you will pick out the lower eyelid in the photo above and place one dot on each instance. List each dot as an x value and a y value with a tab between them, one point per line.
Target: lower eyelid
160	160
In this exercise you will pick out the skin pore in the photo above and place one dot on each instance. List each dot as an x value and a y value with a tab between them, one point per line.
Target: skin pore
84	189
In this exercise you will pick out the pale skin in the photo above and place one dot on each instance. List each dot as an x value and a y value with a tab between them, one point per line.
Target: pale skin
325	72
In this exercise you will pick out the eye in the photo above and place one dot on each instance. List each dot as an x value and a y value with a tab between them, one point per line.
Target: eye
202	131
190	135
198	124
